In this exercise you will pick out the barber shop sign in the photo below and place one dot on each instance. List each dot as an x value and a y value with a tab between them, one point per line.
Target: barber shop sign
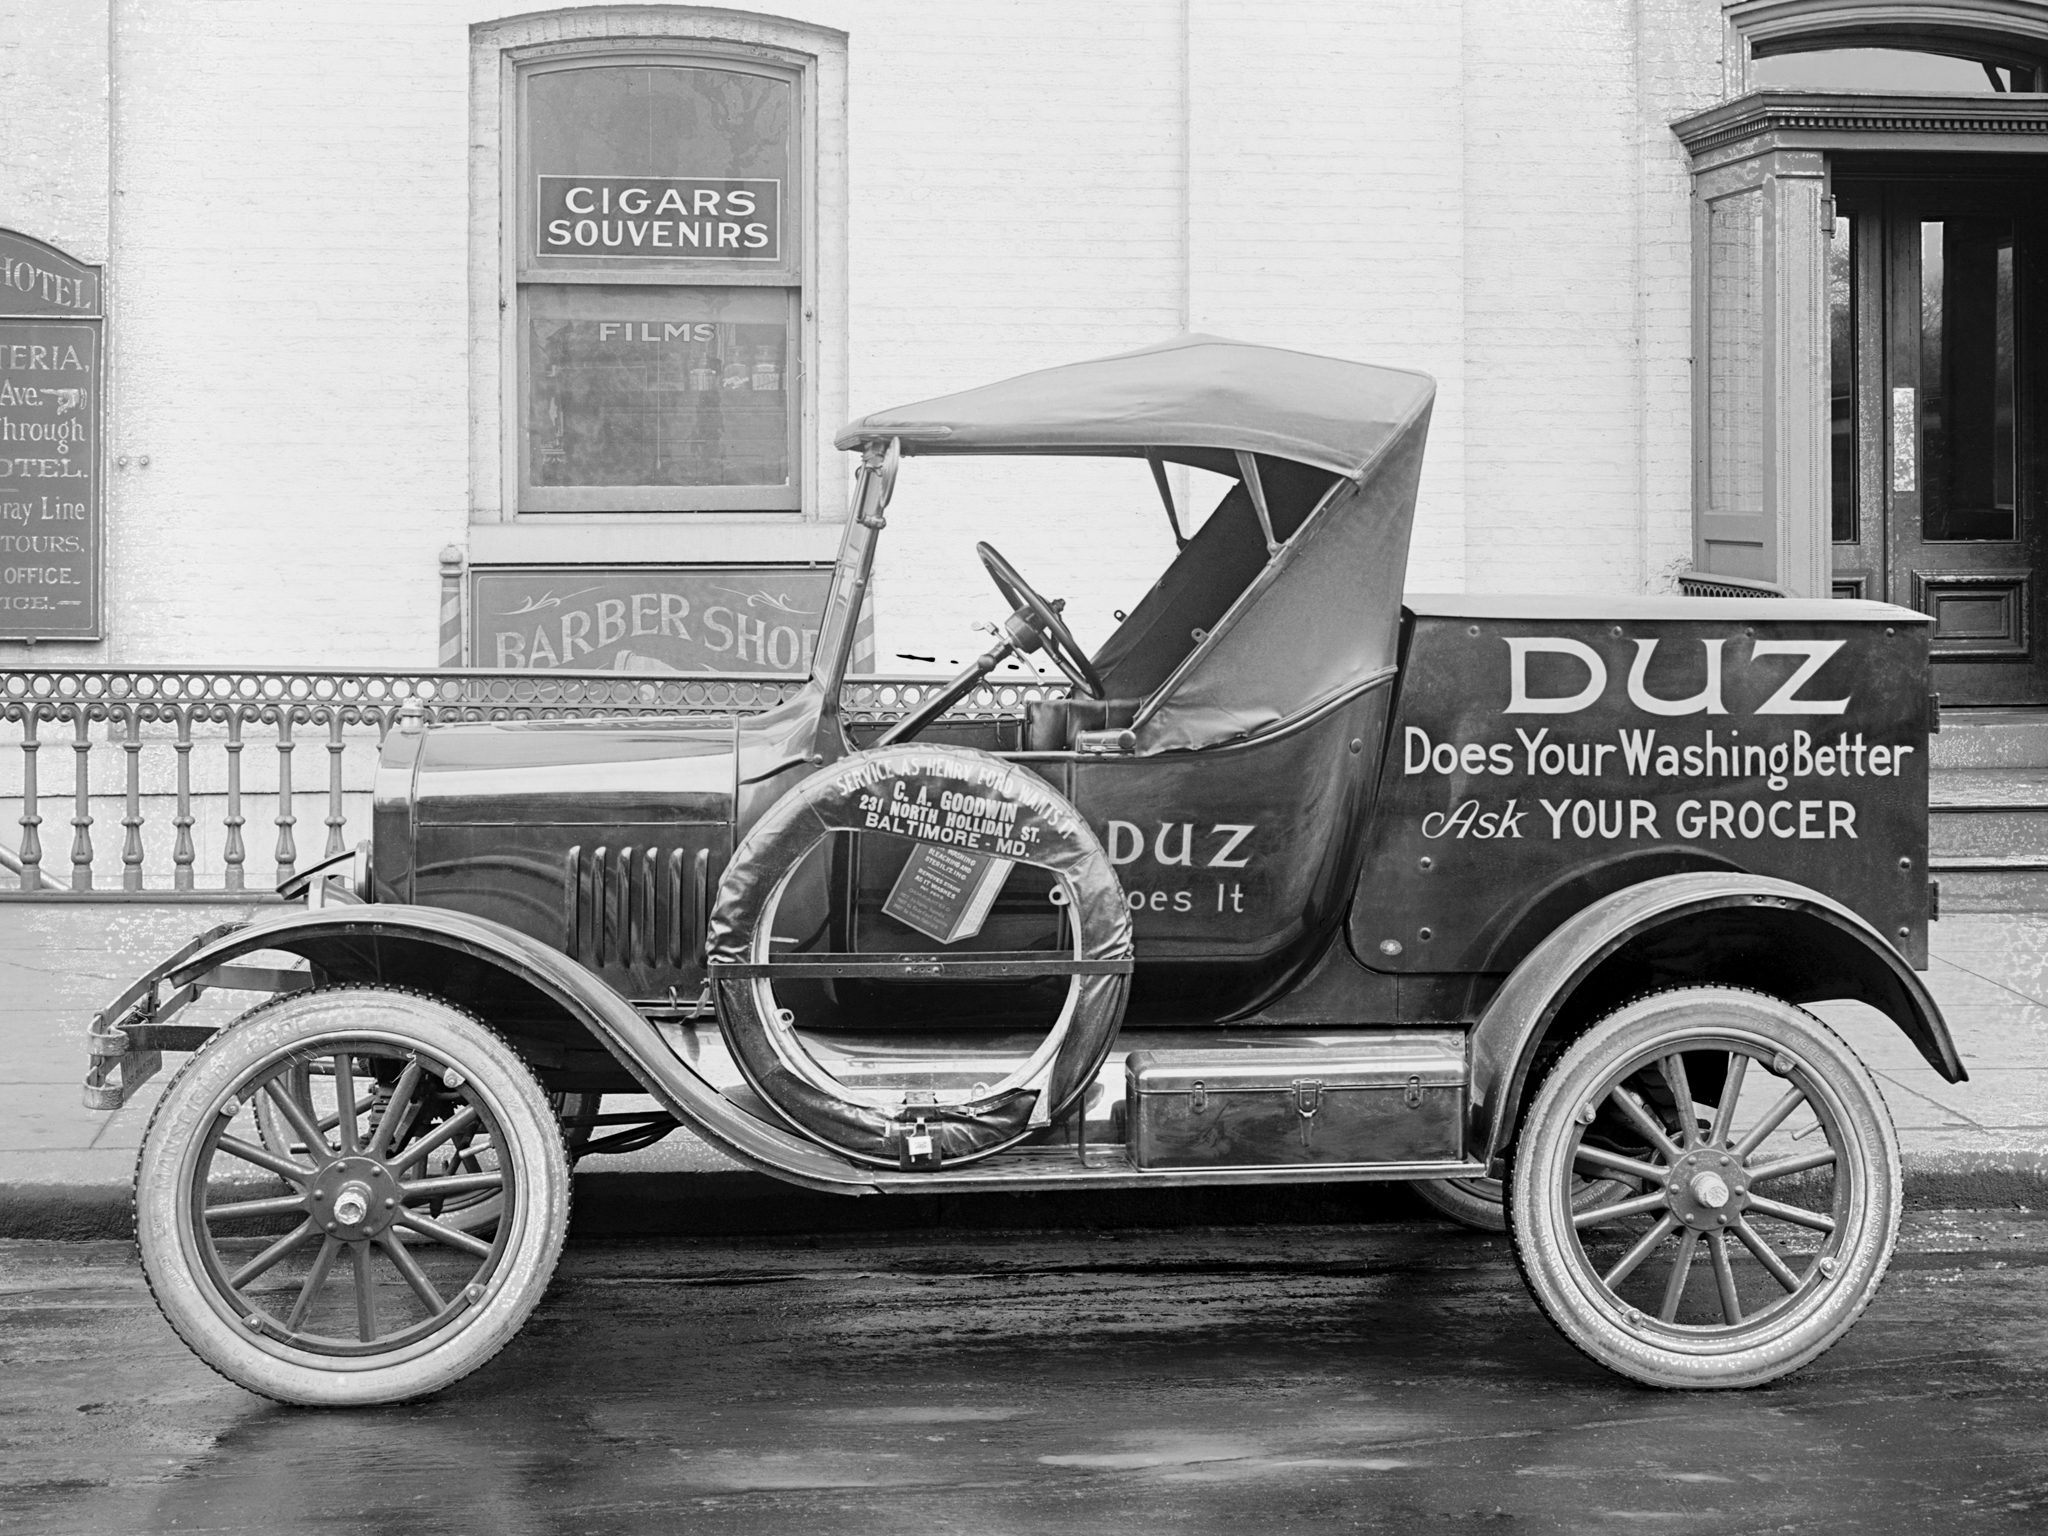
751	618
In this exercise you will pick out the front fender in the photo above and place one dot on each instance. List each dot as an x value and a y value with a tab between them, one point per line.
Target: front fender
1710	927
608	1016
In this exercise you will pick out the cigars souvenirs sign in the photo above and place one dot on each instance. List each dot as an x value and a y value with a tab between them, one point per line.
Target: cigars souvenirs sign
653	618
50	420
676	218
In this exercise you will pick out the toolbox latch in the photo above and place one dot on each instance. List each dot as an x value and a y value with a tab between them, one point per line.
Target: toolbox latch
1412	1094
1308	1099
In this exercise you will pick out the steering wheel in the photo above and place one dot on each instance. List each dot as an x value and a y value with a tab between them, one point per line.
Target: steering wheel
1044	617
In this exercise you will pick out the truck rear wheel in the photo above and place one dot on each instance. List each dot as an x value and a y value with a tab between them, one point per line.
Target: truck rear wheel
321	1274
1771	1189
1476	1203
1481	1203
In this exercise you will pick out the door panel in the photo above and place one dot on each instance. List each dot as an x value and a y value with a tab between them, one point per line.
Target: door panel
1935	289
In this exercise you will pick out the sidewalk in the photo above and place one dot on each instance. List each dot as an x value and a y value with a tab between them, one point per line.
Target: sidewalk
65	1170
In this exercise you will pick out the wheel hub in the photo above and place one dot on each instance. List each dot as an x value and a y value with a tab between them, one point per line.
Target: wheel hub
354	1198
1707	1189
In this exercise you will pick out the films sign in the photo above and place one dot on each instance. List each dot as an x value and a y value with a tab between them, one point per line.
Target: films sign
675	218
695	618
50	426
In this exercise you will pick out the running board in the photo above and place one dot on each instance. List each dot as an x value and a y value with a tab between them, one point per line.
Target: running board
1050	1168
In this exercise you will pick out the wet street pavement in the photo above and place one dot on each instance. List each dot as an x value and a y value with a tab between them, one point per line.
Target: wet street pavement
1380	1377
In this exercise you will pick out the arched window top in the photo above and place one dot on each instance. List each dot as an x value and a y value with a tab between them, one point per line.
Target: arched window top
1947	46
1839	67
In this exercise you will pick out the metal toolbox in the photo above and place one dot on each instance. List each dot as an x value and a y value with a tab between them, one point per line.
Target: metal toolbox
1399	1100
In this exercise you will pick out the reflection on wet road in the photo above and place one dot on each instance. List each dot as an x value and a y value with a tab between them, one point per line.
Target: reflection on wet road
1390	1377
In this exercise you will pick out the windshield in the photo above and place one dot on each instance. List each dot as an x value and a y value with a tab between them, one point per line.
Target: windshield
1092	531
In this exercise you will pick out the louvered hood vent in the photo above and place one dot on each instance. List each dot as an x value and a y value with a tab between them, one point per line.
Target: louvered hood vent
637	907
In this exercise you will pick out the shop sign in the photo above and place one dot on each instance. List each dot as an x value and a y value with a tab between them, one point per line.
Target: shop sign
645	618
674	218
50	427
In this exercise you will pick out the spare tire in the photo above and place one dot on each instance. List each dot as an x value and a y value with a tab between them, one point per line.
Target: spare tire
959	798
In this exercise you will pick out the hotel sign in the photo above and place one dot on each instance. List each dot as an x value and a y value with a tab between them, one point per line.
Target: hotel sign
51	419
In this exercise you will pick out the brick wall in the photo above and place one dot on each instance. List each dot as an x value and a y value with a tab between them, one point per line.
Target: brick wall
1483	190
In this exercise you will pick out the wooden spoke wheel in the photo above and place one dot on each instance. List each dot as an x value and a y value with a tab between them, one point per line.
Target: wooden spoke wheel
309	1262
1476	1203
470	1151
1770	1183
1481	1203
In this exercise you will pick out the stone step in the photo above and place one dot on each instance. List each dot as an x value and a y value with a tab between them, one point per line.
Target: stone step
1987	885
1995	813
1987	838
1991	738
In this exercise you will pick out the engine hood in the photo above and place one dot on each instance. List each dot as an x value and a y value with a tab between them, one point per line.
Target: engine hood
565	773
598	838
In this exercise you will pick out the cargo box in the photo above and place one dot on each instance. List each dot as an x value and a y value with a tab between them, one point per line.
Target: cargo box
1392	1101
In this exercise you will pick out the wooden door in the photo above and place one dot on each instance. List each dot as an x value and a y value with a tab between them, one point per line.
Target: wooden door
1936	302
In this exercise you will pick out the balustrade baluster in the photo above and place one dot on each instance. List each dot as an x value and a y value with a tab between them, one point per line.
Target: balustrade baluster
287	850
131	840
182	854
31	839
47	700
231	850
335	819
81	800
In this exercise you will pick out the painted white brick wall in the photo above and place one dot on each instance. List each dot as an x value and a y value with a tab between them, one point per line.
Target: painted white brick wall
1551	344
289	233
1680	69
1017	204
1484	190
1326	209
53	122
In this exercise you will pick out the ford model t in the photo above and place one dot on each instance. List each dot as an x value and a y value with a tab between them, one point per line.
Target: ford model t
1287	881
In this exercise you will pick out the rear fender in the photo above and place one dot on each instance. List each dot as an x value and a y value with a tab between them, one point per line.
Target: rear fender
636	1044
1687	930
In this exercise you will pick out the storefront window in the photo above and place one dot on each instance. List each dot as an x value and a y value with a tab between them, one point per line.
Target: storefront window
1842	378
661	283
657	387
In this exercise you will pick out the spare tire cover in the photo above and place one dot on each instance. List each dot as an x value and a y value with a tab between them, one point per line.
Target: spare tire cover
965	799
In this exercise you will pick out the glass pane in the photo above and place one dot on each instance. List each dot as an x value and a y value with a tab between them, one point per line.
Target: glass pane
1842	379
1968	352
658	163
1885	69
658	386
1735	353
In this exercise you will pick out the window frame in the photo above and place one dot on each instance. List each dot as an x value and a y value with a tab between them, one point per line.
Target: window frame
796	275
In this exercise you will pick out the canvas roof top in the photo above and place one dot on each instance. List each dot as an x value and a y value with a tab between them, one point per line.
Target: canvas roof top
1194	392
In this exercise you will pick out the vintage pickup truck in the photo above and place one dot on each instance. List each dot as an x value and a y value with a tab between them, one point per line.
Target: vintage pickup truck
1290	880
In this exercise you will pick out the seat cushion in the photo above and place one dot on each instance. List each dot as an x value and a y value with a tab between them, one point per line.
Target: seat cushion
1050	724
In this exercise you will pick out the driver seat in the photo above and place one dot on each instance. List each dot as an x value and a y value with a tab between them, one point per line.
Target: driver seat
1050	724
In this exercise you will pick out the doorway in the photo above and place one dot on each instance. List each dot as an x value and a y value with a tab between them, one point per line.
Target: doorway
1937	302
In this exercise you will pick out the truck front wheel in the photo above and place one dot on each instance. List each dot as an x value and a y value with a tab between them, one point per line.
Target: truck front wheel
318	1270
1770	1183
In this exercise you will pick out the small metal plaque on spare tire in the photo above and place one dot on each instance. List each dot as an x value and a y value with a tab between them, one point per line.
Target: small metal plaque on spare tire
1400	1100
